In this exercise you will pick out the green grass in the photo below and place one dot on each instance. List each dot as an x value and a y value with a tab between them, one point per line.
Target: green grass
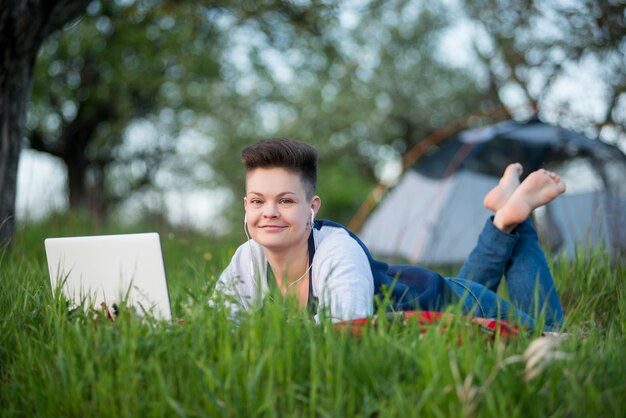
279	363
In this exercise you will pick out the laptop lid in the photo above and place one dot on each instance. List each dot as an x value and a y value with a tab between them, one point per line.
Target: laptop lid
111	269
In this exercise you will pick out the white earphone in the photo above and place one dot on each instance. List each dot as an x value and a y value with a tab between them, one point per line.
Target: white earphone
312	217
245	229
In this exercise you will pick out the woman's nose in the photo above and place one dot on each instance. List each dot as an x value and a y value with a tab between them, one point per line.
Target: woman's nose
271	211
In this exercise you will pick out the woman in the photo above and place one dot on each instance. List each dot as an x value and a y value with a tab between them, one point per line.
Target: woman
327	269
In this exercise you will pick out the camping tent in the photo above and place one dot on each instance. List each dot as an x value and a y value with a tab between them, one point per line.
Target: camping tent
434	214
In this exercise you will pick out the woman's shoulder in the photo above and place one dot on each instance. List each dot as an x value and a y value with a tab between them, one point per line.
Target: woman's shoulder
247	254
339	258
333	237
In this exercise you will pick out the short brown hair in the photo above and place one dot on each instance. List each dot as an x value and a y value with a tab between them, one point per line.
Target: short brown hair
291	155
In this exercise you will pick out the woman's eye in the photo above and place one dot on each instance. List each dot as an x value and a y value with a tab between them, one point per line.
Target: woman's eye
255	201
286	201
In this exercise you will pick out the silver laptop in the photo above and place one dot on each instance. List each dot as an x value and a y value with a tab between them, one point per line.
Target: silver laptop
111	271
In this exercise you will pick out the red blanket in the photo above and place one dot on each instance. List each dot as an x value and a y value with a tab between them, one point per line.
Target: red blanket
427	319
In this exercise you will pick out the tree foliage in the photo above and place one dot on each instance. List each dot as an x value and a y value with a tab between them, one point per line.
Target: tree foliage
534	46
128	65
365	91
233	75
164	94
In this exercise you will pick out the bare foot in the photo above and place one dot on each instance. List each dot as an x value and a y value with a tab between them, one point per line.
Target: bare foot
497	197
539	188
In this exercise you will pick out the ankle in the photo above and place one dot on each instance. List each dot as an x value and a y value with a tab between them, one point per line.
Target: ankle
500	223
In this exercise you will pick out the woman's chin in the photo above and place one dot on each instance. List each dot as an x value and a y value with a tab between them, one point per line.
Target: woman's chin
275	243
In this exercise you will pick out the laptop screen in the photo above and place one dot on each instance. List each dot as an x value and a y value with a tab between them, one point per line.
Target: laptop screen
114	270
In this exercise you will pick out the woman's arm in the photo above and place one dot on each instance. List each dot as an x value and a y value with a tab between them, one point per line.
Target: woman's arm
342	279
237	287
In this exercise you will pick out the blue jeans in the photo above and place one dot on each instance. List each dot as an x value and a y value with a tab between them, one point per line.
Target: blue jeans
529	281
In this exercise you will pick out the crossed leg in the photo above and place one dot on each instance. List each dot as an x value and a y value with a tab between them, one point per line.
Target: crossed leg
509	245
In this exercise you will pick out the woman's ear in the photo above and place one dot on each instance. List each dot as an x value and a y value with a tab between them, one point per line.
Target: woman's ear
316	203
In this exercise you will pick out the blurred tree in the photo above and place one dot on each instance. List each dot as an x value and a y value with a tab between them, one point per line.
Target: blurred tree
364	81
364	91
24	25
150	67
533	45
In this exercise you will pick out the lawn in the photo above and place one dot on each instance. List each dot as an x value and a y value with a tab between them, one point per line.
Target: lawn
279	363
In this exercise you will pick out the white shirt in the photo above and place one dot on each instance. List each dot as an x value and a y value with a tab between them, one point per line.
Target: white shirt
342	277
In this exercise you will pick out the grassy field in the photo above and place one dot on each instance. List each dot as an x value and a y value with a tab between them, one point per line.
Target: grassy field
278	363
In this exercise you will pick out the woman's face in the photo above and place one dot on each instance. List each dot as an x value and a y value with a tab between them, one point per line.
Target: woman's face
277	208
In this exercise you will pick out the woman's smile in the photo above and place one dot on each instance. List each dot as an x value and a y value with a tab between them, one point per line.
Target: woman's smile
272	228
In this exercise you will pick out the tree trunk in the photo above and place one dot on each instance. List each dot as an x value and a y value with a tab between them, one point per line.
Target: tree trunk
76	175
23	27
19	51
77	137
14	92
